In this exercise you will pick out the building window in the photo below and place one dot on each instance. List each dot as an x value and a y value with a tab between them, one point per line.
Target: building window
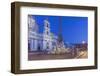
47	45
47	25
47	32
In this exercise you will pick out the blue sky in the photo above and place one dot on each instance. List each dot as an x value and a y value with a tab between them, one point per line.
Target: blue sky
74	29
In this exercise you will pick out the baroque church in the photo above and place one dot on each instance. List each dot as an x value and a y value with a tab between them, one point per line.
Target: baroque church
46	41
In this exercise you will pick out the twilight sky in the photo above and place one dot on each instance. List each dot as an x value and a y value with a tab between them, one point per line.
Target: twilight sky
74	29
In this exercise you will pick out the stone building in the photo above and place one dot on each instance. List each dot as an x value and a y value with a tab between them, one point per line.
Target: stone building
37	41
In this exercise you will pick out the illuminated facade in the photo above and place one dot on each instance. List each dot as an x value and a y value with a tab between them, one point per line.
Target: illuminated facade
40	42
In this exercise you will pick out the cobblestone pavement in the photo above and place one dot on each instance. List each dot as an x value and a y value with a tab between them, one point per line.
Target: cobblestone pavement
49	56
81	54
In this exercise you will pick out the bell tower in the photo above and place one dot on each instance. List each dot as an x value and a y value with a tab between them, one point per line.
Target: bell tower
46	27
32	32
47	35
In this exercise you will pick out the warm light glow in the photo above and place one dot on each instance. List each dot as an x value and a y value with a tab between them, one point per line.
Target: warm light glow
83	42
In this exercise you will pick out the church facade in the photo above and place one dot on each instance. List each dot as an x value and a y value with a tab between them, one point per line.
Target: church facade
46	41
